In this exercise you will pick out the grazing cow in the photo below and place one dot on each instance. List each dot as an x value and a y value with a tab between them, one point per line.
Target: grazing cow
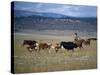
29	42
68	45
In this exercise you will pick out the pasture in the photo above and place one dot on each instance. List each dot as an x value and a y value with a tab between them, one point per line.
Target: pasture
49	60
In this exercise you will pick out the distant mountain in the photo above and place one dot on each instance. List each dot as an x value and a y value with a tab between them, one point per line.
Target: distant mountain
22	13
19	13
25	20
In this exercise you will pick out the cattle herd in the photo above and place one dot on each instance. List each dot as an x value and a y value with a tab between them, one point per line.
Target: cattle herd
70	45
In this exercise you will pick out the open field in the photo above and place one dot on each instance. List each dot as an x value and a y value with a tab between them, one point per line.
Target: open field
49	60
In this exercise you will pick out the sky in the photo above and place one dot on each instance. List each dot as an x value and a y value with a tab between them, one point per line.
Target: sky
65	9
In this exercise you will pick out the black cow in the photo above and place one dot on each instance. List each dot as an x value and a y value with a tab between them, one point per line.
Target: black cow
29	42
68	45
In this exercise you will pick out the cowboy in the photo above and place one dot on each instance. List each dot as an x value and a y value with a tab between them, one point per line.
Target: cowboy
76	37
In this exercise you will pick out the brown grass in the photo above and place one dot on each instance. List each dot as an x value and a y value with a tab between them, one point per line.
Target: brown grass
43	61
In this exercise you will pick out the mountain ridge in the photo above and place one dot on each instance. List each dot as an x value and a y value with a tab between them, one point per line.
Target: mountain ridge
23	13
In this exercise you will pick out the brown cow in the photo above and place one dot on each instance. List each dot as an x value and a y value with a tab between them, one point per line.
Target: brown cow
44	46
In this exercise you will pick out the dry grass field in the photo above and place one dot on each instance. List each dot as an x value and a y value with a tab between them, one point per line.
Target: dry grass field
49	60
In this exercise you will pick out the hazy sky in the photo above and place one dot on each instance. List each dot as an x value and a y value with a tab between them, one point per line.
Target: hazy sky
65	9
